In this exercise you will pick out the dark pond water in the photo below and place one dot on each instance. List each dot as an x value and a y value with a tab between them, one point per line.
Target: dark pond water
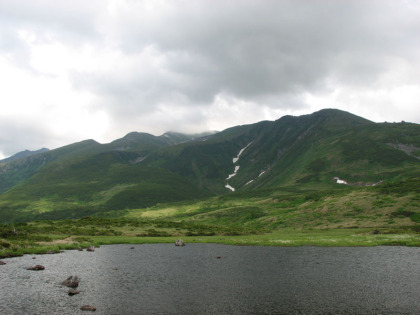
164	279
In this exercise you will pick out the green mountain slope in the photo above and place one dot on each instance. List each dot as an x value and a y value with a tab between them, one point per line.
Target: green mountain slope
307	153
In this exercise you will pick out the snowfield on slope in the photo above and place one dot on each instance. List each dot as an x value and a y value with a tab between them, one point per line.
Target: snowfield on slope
234	160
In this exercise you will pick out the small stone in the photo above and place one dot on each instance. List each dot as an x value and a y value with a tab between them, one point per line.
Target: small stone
88	308
73	292
218	257
2	262
72	282
36	267
132	247
33	257
91	248
80	249
179	242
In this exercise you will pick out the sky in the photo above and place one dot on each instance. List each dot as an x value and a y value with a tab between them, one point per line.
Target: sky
97	69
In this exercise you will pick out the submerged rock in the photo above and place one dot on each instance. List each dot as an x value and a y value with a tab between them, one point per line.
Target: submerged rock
91	248
88	308
36	267
72	282
2	262
179	242
73	292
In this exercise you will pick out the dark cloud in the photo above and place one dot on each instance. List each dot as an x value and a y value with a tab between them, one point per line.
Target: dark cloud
182	57
257	49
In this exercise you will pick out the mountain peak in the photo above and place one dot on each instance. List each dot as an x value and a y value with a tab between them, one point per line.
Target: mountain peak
23	154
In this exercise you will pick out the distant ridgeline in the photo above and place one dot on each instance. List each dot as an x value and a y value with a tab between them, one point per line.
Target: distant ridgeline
329	149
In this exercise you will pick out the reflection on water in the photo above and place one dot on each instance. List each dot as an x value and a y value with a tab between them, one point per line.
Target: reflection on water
164	279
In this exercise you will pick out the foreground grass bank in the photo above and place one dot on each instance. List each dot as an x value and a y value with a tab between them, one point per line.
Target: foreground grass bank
38	243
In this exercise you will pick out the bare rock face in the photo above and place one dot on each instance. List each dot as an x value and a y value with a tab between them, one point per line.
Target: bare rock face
91	248
179	242
72	282
36	267
88	308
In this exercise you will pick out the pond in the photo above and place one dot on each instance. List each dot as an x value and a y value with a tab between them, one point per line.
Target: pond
216	279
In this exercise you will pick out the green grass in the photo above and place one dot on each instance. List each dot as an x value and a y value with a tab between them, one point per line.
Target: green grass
369	216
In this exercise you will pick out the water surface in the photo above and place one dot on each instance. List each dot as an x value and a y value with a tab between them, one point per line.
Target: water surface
164	279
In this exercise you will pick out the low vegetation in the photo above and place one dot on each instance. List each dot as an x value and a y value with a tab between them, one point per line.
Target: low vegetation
346	216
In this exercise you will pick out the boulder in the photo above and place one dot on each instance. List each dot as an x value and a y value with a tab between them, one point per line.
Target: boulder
88	308
73	292
2	262
91	248
179	242
72	282
36	267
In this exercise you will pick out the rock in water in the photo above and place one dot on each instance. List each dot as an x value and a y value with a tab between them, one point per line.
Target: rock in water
91	248
179	242
88	308
36	267
72	282
73	292
2	262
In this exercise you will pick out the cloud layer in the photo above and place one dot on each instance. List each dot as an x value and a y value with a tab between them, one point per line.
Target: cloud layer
96	69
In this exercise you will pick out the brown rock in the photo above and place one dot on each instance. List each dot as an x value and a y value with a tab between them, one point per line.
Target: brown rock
88	308
36	267
2	262
73	292
72	282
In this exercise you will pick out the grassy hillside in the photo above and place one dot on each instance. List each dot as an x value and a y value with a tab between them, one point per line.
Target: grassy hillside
292	156
349	216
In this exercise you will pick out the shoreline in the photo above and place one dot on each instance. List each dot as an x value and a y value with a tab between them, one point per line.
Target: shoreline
319	238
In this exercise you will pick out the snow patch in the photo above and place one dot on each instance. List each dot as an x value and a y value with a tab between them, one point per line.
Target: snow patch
240	152
234	172
261	173
249	182
230	187
340	181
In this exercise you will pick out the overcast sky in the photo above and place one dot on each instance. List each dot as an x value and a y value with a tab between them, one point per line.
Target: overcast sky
96	69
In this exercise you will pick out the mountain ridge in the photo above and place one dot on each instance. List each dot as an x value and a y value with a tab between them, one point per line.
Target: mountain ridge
141	170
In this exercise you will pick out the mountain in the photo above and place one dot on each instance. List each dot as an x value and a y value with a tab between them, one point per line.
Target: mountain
329	149
23	154
21	166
